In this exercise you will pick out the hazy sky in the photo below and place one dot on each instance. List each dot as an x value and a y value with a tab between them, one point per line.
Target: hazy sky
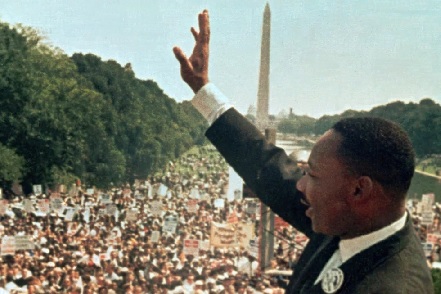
326	56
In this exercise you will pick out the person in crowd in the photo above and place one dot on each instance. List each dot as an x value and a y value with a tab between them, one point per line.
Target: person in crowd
349	200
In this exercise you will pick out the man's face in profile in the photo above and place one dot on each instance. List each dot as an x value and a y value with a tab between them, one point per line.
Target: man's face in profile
326	185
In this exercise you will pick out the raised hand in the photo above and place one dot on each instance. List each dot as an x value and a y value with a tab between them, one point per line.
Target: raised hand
194	70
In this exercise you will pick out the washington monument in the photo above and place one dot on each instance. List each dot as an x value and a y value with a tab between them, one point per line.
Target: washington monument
262	121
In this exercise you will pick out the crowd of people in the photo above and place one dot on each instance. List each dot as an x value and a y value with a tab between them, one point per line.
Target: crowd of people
118	241
91	243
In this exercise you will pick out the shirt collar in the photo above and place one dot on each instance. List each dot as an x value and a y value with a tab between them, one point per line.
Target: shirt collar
350	247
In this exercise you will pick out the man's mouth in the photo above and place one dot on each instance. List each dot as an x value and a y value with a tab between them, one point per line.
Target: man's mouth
304	201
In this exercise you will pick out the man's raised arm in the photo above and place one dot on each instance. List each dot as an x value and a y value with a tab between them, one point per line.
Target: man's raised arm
266	169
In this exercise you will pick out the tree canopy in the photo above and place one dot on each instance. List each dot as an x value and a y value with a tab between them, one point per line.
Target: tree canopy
81	117
421	120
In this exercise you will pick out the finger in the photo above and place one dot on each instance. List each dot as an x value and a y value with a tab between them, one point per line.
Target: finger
195	33
181	57
204	26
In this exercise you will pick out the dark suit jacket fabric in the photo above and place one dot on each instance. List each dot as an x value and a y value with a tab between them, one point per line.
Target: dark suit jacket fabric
394	265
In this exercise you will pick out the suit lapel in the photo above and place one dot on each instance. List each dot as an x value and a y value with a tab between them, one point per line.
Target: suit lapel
363	263
308	269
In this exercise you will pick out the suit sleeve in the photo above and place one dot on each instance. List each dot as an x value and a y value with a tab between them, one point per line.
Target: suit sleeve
265	168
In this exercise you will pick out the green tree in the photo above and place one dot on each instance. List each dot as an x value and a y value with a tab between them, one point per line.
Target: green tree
11	164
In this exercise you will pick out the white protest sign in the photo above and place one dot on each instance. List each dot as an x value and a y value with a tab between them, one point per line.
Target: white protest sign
90	191
43	206
427	201
191	247
162	191
244	233
204	245
28	205
253	247
24	243
8	245
426	218
170	224
156	208
56	202
106	199
131	215
219	203
155	236
69	214
37	189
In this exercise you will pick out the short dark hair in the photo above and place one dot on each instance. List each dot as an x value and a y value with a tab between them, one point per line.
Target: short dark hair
377	148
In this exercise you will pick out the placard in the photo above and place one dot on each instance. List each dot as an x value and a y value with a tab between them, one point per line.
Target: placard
69	214
191	247
229	235
156	208
427	201
106	199
28	205
170	224
155	236
43	206
24	243
219	203
131	215
8	245
37	189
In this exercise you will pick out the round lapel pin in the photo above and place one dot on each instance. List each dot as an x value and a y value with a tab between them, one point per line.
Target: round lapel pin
332	280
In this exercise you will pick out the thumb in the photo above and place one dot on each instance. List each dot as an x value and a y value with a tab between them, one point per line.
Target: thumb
182	58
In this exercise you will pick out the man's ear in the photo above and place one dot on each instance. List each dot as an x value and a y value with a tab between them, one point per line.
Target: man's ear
363	188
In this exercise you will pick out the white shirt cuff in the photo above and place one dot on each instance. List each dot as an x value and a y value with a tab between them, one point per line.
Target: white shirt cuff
210	102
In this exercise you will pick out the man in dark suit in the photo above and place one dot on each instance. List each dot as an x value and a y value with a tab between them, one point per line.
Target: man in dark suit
350	200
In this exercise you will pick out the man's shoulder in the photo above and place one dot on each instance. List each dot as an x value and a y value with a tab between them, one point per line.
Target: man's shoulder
404	272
